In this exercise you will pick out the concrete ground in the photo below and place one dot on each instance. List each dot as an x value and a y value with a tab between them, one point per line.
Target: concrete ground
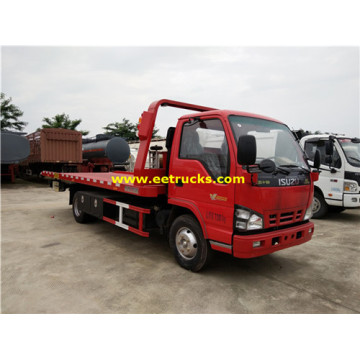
51	264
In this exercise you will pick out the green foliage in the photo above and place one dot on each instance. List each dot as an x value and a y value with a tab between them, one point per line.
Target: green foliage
10	114
155	131
63	121
124	129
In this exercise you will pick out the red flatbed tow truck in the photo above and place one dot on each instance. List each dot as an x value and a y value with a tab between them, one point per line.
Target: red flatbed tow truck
202	206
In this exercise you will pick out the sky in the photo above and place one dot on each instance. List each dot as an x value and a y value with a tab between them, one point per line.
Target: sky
313	88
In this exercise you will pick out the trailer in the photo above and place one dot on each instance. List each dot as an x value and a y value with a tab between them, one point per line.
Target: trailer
338	187
14	149
63	150
269	211
55	149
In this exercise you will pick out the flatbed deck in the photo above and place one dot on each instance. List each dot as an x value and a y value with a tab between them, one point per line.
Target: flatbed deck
104	180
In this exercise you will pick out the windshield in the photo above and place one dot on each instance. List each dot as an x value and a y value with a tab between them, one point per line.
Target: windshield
274	141
351	150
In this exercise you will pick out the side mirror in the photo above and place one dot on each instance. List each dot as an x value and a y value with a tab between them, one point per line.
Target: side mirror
246	151
317	159
329	148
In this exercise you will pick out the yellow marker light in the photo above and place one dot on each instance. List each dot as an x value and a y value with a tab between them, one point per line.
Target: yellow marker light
140	118
351	186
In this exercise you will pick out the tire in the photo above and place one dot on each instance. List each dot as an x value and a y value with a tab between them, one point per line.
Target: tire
187	242
319	206
336	209
79	215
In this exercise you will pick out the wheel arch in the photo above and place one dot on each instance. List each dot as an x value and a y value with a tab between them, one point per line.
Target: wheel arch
74	188
317	189
190	209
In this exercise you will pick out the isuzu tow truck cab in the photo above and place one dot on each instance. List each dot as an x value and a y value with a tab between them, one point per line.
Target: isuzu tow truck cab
268	212
338	187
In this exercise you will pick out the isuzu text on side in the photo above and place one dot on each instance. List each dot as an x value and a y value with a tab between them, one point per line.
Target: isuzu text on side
269	211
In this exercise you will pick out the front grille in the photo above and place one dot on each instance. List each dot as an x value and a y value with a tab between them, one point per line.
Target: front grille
283	218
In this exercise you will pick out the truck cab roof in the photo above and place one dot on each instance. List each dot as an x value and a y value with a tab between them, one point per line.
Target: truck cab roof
226	113
323	137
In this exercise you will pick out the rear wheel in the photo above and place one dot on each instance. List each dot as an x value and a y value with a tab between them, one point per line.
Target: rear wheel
79	215
187	242
319	206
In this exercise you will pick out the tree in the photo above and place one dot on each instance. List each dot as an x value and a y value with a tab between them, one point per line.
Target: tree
10	114
155	131
63	121
124	129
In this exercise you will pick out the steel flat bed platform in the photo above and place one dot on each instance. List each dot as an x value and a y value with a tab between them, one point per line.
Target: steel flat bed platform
104	180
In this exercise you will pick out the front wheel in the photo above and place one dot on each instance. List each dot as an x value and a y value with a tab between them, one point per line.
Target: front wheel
187	242
319	206
337	209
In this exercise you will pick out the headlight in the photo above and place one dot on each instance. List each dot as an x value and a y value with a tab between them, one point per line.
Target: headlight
255	222
247	219
242	214
350	186
308	213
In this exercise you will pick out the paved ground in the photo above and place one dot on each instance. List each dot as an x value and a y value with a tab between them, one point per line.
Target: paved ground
51	264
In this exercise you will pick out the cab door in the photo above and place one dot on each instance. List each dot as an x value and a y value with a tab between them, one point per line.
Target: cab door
200	161
331	179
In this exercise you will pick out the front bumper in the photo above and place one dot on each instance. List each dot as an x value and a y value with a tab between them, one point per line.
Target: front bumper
351	200
271	241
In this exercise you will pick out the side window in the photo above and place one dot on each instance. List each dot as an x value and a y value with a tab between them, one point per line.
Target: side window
206	141
311	147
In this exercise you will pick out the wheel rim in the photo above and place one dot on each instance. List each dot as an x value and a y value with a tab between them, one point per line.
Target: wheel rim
186	243
316	205
77	211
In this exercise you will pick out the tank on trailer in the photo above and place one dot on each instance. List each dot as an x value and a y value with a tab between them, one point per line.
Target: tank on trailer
14	149
115	149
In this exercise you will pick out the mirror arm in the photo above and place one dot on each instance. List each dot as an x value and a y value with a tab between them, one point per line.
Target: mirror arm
252	180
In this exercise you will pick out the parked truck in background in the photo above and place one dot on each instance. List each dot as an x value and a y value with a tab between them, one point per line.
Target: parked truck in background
269	211
338	187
